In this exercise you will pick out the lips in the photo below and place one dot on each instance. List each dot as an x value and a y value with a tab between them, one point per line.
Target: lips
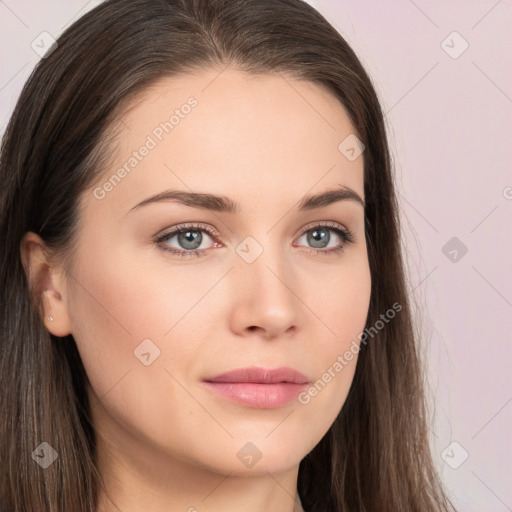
259	387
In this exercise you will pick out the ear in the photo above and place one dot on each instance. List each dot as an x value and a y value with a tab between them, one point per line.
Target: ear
47	284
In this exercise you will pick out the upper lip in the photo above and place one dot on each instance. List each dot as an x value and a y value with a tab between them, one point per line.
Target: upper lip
259	375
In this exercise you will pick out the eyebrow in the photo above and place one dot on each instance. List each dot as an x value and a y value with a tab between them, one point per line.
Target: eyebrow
223	204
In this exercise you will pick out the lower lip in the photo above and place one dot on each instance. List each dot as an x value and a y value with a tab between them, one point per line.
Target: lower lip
260	396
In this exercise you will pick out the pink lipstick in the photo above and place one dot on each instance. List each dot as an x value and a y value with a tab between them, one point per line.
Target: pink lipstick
259	387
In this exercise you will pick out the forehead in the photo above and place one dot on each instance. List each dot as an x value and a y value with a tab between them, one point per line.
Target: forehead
216	131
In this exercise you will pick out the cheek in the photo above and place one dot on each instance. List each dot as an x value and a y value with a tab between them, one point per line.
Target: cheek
118	302
117	307
115	304
125	300
340	298
343	309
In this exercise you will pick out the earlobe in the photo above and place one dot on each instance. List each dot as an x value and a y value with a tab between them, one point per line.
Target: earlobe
46	285
56	317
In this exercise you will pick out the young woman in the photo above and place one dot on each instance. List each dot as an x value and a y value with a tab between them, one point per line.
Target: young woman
203	298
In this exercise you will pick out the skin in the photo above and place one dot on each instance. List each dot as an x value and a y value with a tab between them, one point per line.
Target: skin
165	442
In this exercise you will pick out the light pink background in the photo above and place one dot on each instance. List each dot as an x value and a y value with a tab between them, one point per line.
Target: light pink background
449	122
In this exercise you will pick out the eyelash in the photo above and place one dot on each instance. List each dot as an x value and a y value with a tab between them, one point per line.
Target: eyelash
345	235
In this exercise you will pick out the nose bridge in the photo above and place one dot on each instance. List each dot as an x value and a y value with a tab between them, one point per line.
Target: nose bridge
263	261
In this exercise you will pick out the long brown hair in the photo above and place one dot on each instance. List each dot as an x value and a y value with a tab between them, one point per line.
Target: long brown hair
376	455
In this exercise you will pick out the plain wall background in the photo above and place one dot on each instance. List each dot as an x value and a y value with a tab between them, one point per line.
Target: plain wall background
448	110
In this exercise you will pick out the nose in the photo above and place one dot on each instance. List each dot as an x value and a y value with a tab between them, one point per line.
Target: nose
266	300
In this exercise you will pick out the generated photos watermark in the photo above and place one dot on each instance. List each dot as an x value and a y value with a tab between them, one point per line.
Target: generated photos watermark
343	360
152	140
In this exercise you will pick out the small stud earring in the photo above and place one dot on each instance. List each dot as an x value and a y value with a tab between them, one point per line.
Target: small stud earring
50	318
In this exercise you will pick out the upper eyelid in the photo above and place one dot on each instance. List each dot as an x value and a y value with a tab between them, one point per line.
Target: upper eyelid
194	227
326	223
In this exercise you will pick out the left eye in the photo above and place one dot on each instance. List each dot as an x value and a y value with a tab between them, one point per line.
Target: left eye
319	236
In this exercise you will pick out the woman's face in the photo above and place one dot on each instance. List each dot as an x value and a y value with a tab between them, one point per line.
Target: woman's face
253	281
